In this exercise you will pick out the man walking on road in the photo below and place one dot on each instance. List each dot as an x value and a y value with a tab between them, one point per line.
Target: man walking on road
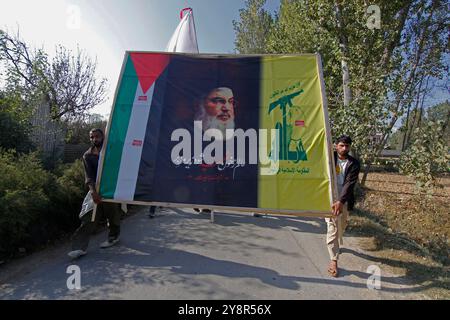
110	211
347	171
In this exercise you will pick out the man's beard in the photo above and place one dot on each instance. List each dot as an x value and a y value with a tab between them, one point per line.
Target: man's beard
97	145
344	154
212	122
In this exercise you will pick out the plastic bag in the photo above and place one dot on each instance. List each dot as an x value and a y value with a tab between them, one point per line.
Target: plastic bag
88	205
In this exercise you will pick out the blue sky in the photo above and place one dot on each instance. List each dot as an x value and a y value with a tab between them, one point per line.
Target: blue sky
107	28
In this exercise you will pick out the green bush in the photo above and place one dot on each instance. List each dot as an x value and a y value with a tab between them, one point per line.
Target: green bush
23	197
71	180
36	206
68	197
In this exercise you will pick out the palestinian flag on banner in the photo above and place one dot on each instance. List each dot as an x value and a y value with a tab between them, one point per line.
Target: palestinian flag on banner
241	132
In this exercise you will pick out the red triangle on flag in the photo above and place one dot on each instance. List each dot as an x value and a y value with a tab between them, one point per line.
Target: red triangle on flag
149	67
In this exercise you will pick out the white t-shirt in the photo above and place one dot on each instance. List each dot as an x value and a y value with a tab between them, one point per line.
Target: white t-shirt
341	165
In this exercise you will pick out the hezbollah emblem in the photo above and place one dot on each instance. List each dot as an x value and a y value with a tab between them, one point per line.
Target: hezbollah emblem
288	140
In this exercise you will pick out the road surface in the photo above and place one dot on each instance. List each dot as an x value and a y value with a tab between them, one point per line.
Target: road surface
182	255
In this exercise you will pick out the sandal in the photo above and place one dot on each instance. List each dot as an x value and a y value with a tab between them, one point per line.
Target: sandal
333	271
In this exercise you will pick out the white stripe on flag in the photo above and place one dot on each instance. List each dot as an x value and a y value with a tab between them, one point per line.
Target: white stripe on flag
134	142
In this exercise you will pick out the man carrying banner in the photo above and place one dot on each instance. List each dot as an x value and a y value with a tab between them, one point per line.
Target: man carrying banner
347	171
111	211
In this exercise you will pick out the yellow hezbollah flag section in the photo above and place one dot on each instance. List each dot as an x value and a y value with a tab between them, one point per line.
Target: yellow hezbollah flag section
292	101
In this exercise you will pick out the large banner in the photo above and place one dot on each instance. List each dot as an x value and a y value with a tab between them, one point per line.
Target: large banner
237	132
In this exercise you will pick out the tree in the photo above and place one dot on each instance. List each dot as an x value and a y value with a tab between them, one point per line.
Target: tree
371	76
14	124
67	82
441	112
427	157
419	55
253	28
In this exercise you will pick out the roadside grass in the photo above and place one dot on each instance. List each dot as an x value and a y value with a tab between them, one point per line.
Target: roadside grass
405	232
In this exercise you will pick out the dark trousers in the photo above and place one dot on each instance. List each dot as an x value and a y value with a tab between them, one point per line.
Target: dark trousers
108	210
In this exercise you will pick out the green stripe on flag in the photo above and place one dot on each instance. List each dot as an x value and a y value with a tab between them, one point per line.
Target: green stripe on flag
118	131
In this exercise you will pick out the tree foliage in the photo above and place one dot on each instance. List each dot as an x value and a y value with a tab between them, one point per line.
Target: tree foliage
404	136
78	130
427	156
14	125
253	28
372	76
67	82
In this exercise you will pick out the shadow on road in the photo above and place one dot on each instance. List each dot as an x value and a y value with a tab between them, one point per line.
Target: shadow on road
149	257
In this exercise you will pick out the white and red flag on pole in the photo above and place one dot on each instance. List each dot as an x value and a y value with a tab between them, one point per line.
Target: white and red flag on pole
184	39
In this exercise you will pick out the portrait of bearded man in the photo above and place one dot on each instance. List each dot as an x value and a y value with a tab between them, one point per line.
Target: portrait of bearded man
208	94
217	111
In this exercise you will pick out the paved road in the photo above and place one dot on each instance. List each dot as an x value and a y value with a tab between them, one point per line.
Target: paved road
182	255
